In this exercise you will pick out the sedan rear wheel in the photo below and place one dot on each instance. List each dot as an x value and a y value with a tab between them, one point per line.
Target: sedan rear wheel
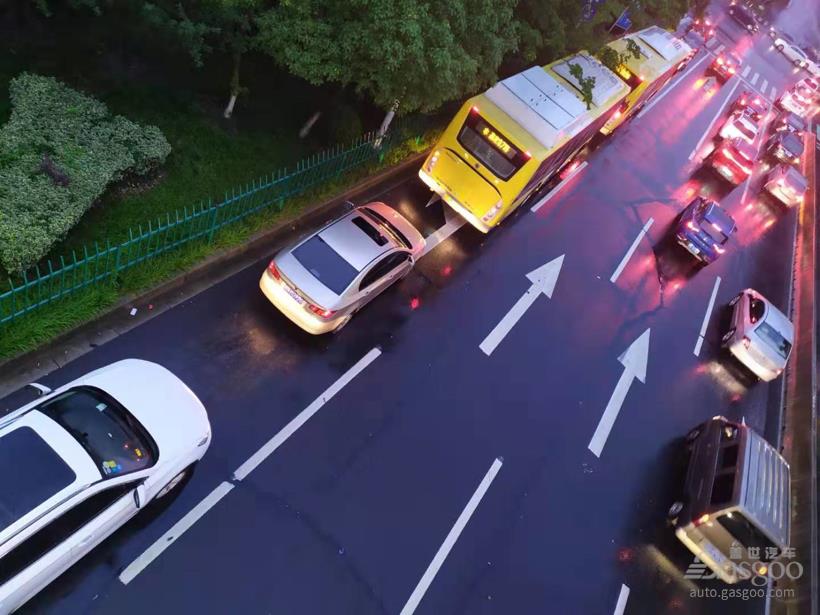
734	301
727	337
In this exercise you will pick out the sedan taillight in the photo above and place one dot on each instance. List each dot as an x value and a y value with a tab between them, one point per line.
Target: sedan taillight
274	271
320	311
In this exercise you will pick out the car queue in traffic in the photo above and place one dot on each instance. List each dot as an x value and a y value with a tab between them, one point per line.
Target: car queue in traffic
505	147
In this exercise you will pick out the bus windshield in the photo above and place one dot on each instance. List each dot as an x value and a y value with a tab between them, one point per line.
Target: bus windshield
490	147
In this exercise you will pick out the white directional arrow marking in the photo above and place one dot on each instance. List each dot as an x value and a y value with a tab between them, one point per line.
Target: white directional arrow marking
634	360
543	281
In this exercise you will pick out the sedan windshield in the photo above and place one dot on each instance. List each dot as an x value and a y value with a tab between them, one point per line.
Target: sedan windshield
110	434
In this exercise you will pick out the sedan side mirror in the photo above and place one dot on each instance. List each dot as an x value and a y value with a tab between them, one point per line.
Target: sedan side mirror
140	496
41	388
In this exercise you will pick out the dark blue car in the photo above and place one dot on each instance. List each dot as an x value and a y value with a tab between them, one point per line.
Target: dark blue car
704	229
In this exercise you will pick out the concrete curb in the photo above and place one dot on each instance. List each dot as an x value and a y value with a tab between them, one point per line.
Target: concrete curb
28	367
800	407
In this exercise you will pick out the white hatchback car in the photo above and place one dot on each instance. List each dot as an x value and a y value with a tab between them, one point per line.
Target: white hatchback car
80	461
760	336
739	125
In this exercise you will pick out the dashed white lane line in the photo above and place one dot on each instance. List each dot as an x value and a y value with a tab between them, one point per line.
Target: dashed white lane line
719	49
671	86
706	317
435	238
622	265
300	419
754	78
763	86
773	93
746	70
450	540
620	607
717	115
711	43
177	530
558	187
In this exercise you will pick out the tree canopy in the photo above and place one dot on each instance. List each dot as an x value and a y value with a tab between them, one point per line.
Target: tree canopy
421	52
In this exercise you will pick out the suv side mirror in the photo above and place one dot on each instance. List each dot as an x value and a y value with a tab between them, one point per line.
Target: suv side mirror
41	388
140	496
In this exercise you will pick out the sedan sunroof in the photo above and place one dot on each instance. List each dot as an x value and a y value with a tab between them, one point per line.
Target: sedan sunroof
31	473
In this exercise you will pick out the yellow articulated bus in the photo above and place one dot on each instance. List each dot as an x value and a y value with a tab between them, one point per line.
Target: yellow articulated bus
505	143
661	56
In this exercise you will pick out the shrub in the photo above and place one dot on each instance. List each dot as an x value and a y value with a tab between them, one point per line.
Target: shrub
58	152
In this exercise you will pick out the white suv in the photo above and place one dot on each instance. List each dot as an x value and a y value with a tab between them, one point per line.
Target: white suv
82	460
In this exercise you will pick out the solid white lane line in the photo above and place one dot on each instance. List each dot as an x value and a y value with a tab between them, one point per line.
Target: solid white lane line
622	265
719	49
452	537
746	70
763	86
435	238
671	86
755	78
300	419
177	530
705	324
558	187
717	115
620	607
711	43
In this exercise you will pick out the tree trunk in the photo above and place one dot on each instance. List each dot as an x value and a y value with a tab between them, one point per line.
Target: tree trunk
237	59
305	130
386	123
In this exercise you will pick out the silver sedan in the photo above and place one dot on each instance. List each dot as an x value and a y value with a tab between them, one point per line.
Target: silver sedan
327	277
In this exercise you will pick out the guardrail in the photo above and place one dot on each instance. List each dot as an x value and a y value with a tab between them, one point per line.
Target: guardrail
101	264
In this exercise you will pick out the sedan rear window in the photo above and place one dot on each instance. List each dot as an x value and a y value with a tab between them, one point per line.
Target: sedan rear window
113	438
325	264
774	339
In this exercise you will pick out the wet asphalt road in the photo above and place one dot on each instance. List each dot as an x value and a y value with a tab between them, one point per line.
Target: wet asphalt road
346	516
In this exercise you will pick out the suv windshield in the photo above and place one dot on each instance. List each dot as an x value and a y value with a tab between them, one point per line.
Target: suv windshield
110	434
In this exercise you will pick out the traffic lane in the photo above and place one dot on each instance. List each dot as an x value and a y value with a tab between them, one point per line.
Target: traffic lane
522	399
235	345
252	370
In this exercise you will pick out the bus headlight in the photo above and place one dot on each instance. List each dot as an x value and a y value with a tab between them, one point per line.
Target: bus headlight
491	213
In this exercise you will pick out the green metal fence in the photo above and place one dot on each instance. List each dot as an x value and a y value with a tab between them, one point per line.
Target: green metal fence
101	264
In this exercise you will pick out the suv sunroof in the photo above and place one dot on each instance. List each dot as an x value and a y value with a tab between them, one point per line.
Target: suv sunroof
32	473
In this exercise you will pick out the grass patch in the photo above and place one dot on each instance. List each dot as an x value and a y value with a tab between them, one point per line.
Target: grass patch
38	327
42	325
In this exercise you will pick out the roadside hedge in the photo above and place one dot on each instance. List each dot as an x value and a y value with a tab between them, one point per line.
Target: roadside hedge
59	152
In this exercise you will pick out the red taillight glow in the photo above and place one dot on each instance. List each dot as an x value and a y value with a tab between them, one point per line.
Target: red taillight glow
320	311
474	109
720	61
701	520
746	341
415	303
528	155
274	271
731	70
692	225
719	250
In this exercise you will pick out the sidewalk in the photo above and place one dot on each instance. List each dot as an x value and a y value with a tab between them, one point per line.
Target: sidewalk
19	371
799	444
